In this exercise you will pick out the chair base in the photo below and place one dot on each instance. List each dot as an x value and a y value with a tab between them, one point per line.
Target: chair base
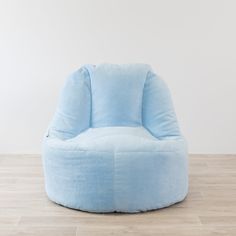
107	181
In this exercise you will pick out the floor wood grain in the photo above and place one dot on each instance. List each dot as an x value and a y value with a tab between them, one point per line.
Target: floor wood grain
209	209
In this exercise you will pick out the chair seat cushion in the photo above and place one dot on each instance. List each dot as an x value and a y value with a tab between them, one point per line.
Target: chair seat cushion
123	169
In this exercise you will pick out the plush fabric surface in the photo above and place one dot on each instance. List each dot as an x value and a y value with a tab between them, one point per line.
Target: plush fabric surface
114	143
117	93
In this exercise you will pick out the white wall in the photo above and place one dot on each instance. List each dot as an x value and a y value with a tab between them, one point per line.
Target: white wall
192	44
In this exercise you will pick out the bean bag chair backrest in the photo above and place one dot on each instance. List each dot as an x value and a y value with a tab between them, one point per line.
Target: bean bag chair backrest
114	95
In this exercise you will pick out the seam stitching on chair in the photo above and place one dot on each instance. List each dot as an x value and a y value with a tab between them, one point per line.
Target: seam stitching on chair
113	184
78	151
143	96
91	103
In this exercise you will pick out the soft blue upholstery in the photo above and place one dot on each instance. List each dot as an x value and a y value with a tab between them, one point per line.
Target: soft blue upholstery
114	143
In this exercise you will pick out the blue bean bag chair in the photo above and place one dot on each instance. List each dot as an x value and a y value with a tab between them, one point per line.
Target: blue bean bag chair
114	144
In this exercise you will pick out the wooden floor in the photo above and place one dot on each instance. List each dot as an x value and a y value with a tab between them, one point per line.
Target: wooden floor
209	209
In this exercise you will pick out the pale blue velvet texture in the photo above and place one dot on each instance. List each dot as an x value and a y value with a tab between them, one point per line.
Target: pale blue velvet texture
114	143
